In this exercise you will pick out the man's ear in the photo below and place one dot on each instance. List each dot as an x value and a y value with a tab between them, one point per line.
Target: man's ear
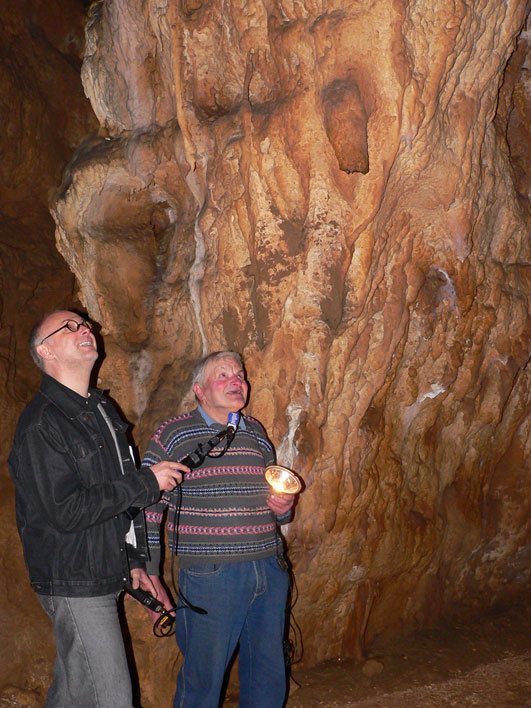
198	390
44	352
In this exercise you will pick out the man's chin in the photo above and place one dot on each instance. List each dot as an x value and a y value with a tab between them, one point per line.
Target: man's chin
236	404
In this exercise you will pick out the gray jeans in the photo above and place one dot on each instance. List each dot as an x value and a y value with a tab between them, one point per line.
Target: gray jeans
90	669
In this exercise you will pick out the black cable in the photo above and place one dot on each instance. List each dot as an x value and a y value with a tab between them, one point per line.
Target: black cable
293	650
193	460
177	591
164	626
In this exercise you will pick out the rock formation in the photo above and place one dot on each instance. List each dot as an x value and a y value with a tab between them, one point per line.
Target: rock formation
341	193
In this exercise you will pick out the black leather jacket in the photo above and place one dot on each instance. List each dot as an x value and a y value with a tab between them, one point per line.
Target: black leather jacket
71	495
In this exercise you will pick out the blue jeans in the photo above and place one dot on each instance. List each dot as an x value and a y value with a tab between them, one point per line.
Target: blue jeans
246	602
90	669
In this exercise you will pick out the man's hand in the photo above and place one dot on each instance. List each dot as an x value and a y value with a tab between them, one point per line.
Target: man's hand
152	584
280	503
168	474
140	579
160	593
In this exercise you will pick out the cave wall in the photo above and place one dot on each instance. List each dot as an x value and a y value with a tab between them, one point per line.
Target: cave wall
44	117
341	193
329	190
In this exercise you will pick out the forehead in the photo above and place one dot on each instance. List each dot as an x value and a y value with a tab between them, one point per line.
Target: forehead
222	364
56	319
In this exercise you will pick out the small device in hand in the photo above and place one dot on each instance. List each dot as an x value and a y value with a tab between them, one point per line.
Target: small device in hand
164	625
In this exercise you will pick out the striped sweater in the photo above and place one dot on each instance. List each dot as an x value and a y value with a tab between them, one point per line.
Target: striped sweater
220	508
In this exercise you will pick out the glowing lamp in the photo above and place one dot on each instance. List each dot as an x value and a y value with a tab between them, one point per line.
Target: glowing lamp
282	480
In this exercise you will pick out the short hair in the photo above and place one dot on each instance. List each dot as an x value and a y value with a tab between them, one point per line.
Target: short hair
34	341
200	366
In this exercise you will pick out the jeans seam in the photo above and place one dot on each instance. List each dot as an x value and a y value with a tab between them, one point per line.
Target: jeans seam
261	580
82	643
185	624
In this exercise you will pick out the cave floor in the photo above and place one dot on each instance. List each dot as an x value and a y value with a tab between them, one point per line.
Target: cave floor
485	664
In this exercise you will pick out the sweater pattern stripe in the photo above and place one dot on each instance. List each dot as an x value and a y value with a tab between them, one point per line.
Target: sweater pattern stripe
220	511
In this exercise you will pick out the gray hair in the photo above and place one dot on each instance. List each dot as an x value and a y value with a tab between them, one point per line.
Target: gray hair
200	367
34	341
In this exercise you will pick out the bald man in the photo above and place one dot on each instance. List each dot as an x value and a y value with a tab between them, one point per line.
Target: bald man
77	491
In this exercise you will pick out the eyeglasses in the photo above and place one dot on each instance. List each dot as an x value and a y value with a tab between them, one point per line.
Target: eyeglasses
72	325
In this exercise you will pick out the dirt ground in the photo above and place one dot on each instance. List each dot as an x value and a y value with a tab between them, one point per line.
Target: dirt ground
485	664
482	664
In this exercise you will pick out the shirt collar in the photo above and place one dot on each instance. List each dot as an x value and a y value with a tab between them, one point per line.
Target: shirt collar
212	423
68	400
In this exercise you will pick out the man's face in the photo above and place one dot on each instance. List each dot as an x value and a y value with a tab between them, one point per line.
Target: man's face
66	348
225	389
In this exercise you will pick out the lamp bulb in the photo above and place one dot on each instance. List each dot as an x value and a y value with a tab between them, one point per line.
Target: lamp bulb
282	479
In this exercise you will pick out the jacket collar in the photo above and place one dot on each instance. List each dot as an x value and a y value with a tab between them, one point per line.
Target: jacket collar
70	402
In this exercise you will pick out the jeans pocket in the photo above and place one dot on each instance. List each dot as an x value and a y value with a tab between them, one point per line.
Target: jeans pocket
47	604
208	569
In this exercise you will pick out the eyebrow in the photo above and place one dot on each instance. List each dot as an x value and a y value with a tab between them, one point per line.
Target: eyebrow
224	366
69	319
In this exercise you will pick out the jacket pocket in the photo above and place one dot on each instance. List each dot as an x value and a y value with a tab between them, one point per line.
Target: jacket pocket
86	456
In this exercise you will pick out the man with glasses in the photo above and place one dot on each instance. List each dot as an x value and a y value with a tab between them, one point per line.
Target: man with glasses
77	491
